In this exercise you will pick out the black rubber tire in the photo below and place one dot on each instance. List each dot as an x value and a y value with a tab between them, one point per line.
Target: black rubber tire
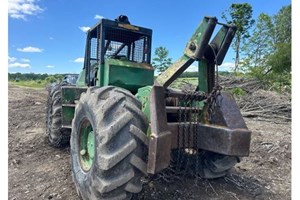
209	165
121	146
214	165
57	136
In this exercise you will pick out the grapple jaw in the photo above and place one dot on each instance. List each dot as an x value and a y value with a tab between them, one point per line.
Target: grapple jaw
194	123
223	129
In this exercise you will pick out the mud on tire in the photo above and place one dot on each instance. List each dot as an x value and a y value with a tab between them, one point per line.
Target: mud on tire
57	136
111	163
206	164
214	165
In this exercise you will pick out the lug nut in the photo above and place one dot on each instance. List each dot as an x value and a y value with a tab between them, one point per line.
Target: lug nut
83	152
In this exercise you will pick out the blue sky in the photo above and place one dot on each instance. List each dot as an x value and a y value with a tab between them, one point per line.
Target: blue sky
48	36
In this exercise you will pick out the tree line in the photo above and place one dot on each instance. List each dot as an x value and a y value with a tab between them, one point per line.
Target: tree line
50	78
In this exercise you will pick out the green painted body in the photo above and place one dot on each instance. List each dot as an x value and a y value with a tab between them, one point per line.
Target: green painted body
143	94
126	74
189	53
70	94
202	76
121	73
81	79
138	77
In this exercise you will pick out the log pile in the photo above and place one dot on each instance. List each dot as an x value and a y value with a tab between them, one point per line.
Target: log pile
248	85
266	105
258	102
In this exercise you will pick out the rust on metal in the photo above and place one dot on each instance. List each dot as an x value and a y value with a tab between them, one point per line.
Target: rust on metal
173	109
227	112
225	132
160	143
218	139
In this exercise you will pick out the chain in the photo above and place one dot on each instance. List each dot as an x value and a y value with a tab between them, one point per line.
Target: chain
196	143
179	137
212	103
212	97
189	120
189	116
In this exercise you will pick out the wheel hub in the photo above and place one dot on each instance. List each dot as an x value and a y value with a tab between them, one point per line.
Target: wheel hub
87	145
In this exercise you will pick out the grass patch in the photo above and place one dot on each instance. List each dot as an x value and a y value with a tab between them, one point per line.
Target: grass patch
178	83
237	92
32	84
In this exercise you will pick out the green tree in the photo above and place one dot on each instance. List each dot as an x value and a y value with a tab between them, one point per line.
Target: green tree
161	61
267	53
241	16
259	46
59	77
283	25
280	60
51	79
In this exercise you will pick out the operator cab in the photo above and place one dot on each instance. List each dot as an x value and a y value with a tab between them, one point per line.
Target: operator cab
112	41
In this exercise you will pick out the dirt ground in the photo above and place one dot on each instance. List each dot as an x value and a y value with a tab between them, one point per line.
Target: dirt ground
38	171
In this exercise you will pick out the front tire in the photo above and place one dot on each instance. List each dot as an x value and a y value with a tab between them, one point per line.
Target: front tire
108	144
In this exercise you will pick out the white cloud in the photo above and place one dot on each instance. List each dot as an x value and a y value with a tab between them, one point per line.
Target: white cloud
79	60
50	66
30	49
11	59
193	68
19	9
84	28
20	65
13	64
25	60
227	66
98	17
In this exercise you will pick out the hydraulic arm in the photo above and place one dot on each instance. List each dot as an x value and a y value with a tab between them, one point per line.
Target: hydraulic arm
199	48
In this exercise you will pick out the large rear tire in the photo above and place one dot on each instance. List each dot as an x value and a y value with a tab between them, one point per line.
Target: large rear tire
108	144
205	164
214	165
57	136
